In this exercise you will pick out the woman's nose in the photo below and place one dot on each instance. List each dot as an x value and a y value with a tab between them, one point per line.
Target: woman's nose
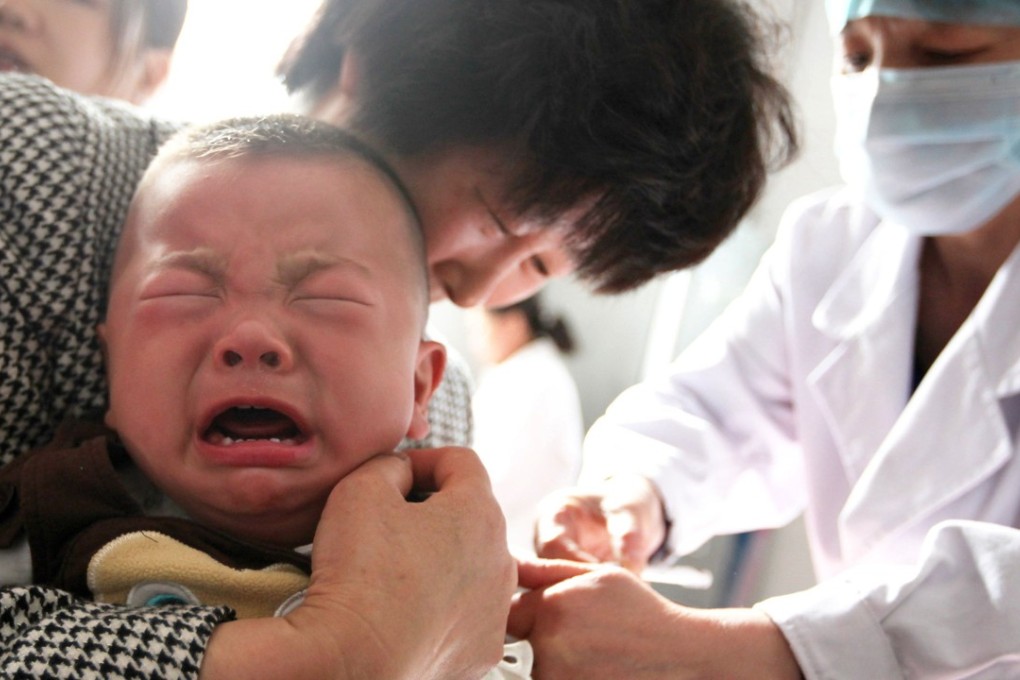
254	344
474	286
474	282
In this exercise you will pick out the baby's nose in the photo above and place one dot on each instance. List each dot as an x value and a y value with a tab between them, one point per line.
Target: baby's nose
254	343
270	359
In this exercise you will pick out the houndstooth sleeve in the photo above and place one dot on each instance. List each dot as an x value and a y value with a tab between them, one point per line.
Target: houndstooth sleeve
68	169
46	633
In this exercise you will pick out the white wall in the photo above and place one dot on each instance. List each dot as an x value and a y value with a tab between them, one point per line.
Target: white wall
226	57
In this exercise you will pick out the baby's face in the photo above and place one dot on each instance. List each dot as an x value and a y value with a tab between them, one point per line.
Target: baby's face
263	336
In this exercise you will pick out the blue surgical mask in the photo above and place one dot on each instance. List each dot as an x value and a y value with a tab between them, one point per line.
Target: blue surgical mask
935	149
950	11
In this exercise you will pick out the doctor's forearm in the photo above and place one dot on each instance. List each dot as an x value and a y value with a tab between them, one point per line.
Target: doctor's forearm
744	643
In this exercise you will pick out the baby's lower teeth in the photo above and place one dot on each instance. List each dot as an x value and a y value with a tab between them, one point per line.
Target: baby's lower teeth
230	441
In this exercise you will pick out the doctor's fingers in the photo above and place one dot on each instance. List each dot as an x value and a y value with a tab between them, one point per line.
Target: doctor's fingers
635	520
632	546
571	526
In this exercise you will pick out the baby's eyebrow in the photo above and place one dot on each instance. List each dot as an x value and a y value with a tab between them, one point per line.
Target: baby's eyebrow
296	267
201	260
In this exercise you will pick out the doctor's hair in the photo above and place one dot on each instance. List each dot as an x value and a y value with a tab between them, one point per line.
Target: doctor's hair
658	120
540	323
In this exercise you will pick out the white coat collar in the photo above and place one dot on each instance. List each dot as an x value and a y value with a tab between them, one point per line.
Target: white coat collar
869	312
881	276
901	471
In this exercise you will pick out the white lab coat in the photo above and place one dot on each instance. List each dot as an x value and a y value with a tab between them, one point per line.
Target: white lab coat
798	399
528	431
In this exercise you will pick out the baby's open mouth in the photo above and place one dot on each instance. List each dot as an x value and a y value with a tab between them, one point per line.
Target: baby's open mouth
241	424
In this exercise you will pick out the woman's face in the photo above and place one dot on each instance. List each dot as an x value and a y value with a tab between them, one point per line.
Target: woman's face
479	251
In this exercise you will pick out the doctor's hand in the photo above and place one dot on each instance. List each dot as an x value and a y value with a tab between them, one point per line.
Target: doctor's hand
620	520
398	589
603	623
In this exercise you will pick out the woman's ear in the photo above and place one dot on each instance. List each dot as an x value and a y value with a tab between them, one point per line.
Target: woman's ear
148	74
336	104
427	376
350	75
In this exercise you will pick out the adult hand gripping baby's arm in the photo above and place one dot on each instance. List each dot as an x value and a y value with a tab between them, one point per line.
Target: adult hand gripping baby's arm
618	520
603	623
398	589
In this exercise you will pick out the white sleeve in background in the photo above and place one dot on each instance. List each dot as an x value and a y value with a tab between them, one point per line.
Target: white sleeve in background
716	432
954	615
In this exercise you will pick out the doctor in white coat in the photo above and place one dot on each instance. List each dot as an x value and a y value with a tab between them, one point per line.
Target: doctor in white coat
869	378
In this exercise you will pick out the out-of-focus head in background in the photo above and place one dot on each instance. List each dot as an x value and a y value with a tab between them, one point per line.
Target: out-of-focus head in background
111	48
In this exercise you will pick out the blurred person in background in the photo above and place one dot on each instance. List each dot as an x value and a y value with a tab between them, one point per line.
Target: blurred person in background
110	48
527	413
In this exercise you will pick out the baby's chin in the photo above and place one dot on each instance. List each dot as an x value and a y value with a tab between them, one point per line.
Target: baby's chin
258	506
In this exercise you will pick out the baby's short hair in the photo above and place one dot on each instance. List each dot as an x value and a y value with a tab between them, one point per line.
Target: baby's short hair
281	135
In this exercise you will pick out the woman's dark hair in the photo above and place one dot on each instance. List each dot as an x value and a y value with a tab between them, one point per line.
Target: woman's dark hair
540	323
659	118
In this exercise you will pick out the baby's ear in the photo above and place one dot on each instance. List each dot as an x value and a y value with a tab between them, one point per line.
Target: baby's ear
427	375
